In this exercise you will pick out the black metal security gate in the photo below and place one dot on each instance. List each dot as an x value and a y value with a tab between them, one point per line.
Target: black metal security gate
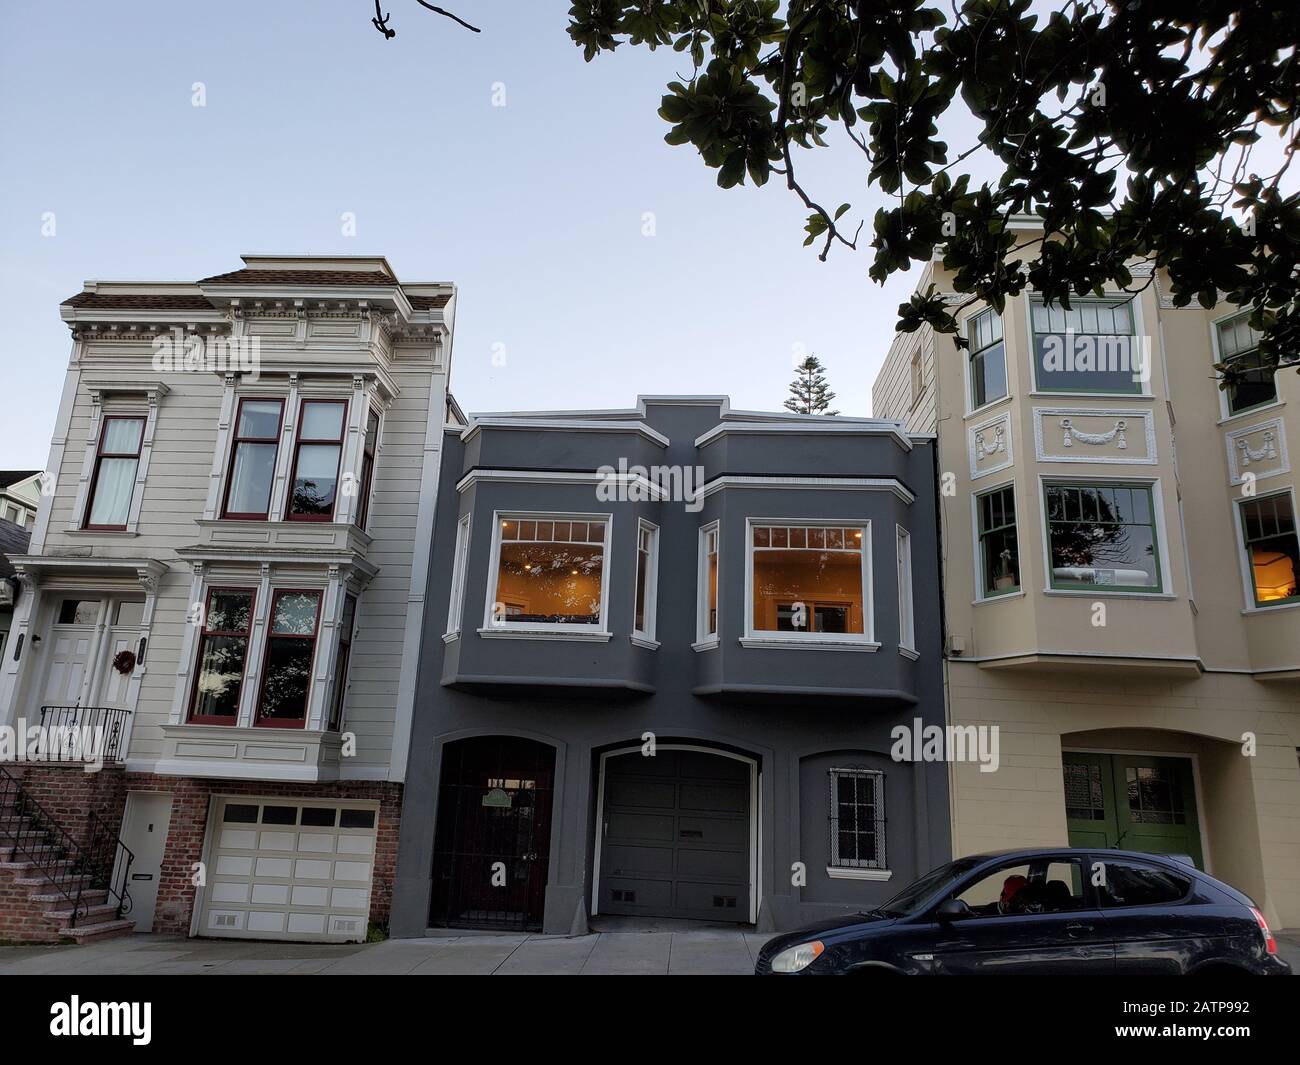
492	840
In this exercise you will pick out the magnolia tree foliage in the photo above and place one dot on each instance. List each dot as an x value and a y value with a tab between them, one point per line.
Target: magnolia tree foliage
1125	128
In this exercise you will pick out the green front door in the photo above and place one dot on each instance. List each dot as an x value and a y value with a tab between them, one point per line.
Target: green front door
1133	802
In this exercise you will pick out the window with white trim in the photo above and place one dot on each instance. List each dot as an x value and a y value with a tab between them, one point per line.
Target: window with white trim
647	580
808	581
1102	537
1251	380
1090	346
999	554
1268	529
549	573
857	818
707	624
906	617
988	358
459	569
112	484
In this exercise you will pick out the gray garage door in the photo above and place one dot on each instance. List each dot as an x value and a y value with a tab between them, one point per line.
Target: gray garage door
676	836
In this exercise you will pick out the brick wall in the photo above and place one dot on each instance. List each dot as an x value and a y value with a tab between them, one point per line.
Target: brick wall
68	792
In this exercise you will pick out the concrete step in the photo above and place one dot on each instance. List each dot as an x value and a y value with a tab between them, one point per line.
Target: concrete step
91	915
56	899
93	933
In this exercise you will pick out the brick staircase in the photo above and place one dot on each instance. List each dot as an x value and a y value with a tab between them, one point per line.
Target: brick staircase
52	888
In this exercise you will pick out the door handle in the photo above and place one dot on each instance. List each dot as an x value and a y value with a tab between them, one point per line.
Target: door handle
1076	930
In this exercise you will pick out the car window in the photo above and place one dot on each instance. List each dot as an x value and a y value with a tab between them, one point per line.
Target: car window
919	890
1124	883
1038	886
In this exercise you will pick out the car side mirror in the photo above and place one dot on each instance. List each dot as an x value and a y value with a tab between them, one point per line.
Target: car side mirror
951	910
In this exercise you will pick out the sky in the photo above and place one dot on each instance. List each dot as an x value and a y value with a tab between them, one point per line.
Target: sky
594	260
537	209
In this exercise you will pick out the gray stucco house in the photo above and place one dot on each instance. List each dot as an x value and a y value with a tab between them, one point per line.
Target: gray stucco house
665	651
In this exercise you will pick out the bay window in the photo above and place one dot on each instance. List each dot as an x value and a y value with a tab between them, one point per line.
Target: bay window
1102	536
1090	346
549	573
1268	529
707	607
117	458
341	659
906	606
647	580
1251	383
999	554
223	653
367	468
252	459
290	651
317	454
988	358
459	572
808	580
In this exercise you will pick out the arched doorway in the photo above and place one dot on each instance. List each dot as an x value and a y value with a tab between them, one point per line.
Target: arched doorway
676	834
492	841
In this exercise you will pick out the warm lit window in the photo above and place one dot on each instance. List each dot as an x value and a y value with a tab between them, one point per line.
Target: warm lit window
223	652
460	567
857	819
1102	536
252	459
116	461
367	469
1090	346
346	625
999	555
988	358
290	651
707	625
549	572
316	460
906	616
808	579
1252	382
1272	549
647	579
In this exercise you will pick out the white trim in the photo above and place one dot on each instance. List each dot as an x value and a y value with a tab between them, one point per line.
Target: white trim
653	492
1139	330
535	630
864	427
968	354
1164	574
639	641
755	818
1243	562
975	497
570	425
906	599
841	872
562	635
865	641
1004	444
646	637
1263	408
1216	356
1040	447
711	644
842	484
1236	437
704	639
459	574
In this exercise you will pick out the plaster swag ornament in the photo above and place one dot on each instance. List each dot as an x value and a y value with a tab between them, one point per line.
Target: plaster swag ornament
1117	433
1250	454
999	445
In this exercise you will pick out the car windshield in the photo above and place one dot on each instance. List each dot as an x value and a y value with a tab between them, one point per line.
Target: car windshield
911	897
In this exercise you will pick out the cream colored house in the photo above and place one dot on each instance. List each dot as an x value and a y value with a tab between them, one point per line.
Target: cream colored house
1120	564
228	579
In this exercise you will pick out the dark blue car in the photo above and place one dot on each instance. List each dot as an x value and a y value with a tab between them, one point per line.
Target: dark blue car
1039	912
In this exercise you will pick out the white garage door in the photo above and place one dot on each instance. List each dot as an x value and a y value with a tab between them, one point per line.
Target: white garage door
286	870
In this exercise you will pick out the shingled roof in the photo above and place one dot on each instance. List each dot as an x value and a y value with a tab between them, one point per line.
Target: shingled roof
14	540
110	300
257	276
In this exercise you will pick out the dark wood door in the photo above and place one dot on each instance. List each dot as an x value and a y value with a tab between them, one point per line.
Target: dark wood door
492	841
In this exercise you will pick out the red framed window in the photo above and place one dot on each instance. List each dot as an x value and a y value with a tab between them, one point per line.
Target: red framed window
117	459
341	661
290	652
223	654
252	459
317	454
367	468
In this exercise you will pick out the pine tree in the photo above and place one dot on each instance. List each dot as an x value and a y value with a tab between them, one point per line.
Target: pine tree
809	393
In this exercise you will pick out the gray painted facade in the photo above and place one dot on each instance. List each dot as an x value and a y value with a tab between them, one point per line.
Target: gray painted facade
751	723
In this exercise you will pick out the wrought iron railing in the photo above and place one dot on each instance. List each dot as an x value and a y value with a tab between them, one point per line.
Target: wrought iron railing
73	869
84	733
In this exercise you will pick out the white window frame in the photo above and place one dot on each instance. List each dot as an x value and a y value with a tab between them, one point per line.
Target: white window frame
543	630
703	638
646	636
851	866
864	641
1100	591
978	554
906	599
1216	356
459	573
1243	559
1139	330
969	353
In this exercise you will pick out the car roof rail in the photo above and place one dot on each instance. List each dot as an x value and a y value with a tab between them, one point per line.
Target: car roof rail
1181	859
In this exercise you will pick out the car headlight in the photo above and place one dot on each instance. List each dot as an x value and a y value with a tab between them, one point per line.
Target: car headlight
792	959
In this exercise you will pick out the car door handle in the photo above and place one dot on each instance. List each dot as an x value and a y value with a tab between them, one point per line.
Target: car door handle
1075	930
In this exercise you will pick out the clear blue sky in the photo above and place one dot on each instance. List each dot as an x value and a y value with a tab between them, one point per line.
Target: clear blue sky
534	209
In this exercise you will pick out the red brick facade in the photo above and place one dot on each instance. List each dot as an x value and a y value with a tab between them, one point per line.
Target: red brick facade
67	793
